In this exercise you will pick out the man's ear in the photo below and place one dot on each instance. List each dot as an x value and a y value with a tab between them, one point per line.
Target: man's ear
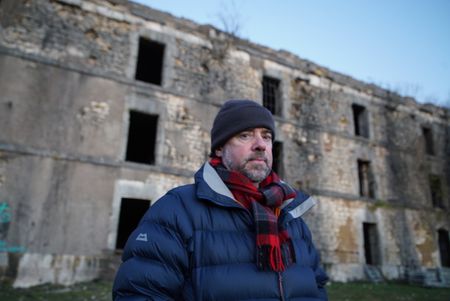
219	152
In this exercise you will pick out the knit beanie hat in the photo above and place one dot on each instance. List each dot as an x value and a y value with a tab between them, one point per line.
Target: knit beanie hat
236	116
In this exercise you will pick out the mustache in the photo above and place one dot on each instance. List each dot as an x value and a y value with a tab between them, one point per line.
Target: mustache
257	157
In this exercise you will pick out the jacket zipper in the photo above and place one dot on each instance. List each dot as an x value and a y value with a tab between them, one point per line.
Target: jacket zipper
280	286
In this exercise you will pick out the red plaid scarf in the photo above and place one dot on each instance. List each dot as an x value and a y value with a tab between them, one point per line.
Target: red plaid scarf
274	246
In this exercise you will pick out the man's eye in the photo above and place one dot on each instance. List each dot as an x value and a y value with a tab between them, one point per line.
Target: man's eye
267	137
244	135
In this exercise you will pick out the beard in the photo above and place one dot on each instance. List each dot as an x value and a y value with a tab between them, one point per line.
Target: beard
256	171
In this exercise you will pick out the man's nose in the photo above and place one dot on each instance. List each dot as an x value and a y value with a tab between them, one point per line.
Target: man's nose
259	144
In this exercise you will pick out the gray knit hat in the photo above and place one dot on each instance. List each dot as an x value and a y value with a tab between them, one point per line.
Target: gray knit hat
236	116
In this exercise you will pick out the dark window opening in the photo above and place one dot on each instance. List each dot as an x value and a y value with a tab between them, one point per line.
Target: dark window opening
436	191
271	95
371	248
444	247
360	119
131	212
150	61
277	152
428	140
366	179
141	138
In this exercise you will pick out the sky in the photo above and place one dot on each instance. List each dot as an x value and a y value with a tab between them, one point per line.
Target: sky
400	45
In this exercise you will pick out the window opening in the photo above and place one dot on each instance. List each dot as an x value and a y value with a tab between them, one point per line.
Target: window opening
131	212
271	95
366	179
277	152
150	61
444	247
436	191
428	139
360	119
371	247
141	138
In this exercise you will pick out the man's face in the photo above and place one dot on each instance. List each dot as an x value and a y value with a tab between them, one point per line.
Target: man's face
250	153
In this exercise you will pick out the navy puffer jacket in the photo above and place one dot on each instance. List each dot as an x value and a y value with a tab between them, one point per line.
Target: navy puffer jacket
197	243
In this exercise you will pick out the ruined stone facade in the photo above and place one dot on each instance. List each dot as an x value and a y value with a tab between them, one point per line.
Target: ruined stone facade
79	94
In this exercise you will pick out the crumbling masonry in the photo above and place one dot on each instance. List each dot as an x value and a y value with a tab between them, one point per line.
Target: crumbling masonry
105	105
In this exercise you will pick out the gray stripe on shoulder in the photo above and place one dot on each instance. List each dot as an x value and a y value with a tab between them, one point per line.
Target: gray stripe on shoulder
286	202
303	207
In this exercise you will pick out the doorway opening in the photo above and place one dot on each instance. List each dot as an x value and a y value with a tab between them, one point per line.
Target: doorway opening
131	212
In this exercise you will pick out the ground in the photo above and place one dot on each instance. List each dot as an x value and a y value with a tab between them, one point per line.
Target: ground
101	291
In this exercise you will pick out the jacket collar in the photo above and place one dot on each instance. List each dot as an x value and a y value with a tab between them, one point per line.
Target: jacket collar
212	178
211	187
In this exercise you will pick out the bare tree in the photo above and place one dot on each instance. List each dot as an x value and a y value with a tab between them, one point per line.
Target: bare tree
230	18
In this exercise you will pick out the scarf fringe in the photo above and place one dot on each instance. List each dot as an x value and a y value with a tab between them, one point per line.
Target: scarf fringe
276	261
270	258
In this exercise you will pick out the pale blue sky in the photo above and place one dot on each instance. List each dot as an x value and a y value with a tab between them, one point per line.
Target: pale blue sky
402	45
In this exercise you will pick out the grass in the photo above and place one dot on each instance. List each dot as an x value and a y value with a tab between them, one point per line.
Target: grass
89	291
385	292
356	291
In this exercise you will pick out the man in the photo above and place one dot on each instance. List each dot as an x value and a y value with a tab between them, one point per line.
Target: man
236	234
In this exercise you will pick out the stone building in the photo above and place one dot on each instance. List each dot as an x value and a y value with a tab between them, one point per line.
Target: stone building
105	105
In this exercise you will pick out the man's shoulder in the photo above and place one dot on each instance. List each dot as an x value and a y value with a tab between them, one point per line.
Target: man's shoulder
179	194
179	199
299	205
183	189
174	206
301	195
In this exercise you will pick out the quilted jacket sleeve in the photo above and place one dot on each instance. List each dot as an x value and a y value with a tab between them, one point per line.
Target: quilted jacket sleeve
321	276
155	258
321	279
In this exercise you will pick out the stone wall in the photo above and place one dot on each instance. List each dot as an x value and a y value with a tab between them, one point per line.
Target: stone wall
67	86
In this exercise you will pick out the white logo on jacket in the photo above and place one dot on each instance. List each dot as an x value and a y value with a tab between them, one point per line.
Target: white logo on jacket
142	237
